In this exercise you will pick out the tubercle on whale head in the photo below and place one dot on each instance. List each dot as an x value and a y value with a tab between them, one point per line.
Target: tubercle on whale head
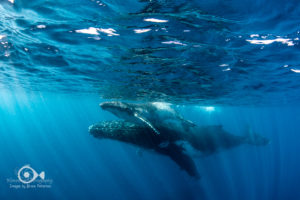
101	130
110	129
93	130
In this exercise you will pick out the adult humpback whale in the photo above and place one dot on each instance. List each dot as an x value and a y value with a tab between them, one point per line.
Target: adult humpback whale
149	114
141	136
207	139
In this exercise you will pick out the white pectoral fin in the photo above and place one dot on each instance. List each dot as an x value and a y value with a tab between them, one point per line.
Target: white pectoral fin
190	123
147	123
185	122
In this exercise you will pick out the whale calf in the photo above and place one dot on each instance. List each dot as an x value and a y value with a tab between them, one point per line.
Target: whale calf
149	114
206	139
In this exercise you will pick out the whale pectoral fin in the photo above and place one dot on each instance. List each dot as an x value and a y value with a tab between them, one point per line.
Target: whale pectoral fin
185	122
190	123
146	122
185	162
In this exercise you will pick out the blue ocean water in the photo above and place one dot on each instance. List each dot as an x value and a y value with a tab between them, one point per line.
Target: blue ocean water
230	63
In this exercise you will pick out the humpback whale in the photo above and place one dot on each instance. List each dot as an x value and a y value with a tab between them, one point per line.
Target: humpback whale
149	114
140	135
207	139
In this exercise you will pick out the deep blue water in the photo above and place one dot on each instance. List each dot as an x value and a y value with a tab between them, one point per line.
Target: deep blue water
60	59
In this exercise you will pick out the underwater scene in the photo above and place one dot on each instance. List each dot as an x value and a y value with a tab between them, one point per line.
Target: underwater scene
150	99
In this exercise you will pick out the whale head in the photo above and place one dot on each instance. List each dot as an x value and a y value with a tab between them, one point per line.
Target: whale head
119	109
123	131
104	129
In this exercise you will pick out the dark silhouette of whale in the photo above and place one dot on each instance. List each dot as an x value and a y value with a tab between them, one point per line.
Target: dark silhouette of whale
207	139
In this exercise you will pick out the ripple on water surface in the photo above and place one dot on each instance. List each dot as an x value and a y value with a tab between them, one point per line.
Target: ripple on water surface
184	51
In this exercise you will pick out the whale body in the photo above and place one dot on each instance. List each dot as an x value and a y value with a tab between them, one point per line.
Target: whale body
149	114
207	139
